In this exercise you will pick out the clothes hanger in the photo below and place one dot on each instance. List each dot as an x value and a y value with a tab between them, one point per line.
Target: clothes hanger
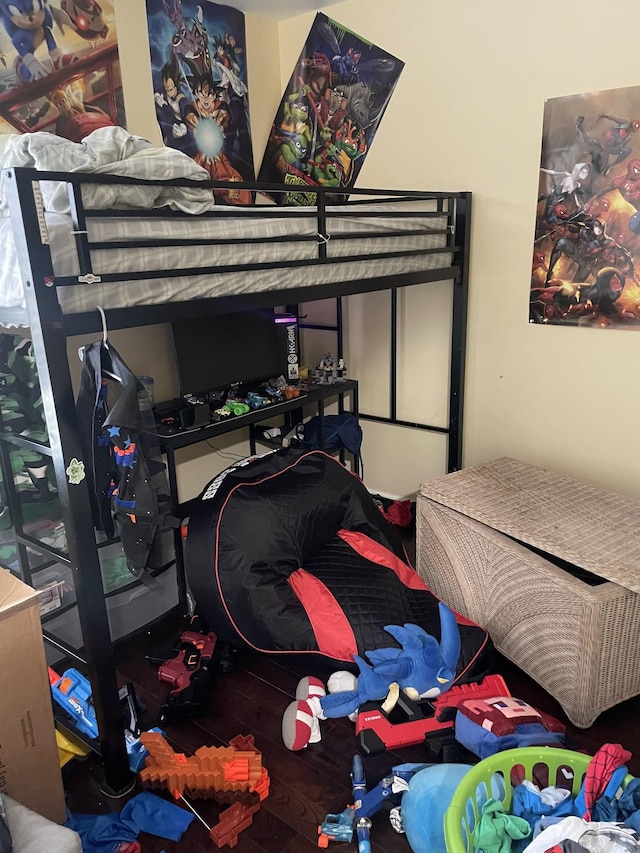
103	318
105	344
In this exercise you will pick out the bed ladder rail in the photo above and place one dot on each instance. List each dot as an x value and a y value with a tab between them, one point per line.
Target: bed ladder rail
50	349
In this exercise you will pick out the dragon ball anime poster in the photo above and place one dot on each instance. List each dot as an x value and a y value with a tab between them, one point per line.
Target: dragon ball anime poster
199	70
586	253
330	112
59	67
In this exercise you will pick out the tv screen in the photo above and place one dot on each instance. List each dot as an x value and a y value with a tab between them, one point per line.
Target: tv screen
215	352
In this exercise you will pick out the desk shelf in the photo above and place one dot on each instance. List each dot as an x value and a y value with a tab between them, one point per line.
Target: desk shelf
317	395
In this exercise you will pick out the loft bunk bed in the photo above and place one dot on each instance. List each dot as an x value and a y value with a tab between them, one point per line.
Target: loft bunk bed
75	242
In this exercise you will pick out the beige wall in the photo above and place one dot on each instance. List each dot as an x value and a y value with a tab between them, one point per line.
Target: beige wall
466	115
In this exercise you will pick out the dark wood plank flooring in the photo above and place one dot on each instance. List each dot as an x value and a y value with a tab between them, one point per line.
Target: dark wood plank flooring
304	785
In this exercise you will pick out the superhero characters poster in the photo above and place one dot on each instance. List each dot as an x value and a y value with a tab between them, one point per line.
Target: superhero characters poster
199	70
330	112
59	67
586	253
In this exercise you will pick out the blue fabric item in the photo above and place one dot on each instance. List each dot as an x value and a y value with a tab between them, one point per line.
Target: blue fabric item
145	812
626	809
617	778
484	743
633	820
339	431
528	804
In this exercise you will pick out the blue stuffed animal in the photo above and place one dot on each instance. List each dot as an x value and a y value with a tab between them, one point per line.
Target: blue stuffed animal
422	668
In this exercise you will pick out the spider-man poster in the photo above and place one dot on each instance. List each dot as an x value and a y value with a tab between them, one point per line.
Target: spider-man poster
59	67
586	254
199	69
330	112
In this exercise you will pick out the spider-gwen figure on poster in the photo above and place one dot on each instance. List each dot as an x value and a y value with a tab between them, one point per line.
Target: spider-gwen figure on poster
422	669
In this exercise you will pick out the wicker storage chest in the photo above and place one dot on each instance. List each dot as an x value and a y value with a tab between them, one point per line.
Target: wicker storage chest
550	567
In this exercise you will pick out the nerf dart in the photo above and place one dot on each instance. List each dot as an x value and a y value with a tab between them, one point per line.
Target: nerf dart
180	796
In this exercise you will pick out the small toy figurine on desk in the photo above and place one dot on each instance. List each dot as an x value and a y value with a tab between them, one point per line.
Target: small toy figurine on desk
330	371
326	367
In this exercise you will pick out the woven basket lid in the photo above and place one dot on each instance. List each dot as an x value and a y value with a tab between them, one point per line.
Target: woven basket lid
588	527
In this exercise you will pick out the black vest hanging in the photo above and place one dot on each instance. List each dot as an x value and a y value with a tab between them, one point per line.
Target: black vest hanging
129	490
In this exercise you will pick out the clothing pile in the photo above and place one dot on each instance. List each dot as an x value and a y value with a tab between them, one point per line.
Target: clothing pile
603	817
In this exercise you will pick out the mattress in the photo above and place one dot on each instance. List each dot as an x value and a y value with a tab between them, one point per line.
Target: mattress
259	235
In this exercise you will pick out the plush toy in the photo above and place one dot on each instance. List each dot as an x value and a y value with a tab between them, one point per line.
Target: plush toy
422	668
487	726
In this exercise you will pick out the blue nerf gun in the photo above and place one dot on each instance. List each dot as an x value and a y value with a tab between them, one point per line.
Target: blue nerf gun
355	820
136	750
72	691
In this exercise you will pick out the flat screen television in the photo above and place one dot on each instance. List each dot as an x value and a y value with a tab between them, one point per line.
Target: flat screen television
213	353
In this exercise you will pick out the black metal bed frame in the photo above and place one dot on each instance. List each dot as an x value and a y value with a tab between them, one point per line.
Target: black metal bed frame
50	327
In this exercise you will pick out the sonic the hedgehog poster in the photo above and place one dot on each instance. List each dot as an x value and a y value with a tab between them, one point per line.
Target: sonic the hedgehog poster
59	67
586	252
199	70
330	112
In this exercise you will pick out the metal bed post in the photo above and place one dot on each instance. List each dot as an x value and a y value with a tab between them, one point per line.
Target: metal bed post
181	577
462	236
457	209
393	353
50	348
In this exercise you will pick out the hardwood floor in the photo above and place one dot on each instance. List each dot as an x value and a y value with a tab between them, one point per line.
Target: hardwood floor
304	785
250	700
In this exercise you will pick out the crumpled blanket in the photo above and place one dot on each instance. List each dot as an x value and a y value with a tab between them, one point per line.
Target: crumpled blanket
112	151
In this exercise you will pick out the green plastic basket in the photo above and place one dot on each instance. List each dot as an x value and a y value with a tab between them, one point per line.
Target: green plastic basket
491	778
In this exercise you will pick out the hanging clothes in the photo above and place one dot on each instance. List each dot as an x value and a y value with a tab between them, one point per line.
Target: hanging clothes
91	409
130	494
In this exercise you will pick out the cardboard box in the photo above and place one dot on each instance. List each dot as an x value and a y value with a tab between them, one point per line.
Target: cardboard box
29	764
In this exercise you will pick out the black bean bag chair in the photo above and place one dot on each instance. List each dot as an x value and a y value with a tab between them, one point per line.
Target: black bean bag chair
288	553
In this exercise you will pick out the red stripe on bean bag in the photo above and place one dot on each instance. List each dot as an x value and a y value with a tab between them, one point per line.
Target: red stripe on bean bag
331	627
